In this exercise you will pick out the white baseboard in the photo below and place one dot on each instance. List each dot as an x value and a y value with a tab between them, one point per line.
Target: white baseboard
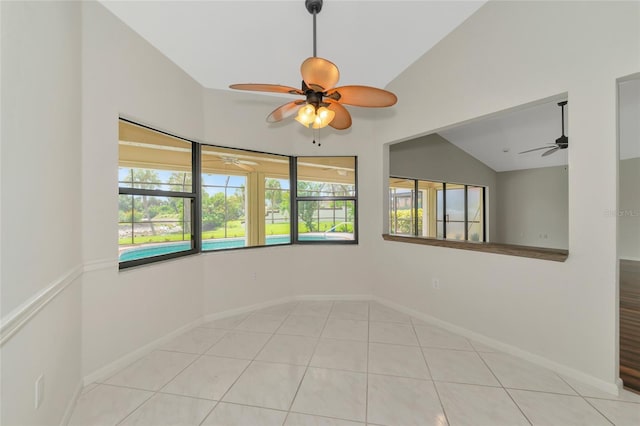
108	370
338	297
105	372
612	388
71	405
245	309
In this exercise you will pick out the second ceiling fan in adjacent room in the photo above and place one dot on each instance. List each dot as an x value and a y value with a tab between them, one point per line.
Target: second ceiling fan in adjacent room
561	143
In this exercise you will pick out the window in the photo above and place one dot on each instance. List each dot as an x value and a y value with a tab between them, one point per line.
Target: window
325	199
245	199
157	198
436	209
178	197
401	206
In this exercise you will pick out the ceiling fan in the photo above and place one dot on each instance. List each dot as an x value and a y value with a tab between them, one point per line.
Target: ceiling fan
323	103
235	161
561	143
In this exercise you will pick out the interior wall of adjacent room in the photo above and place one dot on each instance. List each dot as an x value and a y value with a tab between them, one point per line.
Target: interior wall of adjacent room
509	54
41	201
533	206
432	157
629	211
125	75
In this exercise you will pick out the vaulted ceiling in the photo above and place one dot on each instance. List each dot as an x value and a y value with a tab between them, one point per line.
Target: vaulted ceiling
219	43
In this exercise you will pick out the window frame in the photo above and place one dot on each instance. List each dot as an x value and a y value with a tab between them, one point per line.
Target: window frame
199	189
295	199
415	208
195	198
192	196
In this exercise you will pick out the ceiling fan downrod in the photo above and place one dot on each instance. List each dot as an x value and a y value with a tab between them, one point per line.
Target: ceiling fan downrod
561	105
314	7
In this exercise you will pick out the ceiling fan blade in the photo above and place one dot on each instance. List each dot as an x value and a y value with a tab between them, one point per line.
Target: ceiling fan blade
267	88
342	119
363	96
284	111
551	151
536	149
319	74
244	166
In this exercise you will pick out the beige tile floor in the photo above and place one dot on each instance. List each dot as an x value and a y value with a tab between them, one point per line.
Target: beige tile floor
340	364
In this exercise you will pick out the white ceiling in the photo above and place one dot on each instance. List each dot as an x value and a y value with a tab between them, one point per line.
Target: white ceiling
535	125
220	43
496	141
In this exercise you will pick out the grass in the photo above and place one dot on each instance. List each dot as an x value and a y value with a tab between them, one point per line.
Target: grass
235	229
165	238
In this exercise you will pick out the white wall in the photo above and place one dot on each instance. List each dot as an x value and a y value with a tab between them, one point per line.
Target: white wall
629	210
124	75
243	278
124	311
533	207
508	54
41	235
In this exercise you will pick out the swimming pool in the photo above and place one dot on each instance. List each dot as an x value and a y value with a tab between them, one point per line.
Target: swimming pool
136	253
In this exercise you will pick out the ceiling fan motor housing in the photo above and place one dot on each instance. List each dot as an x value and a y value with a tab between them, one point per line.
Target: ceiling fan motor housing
314	98
313	6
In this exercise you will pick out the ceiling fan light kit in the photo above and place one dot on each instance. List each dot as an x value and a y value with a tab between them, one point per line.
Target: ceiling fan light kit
561	143
323	103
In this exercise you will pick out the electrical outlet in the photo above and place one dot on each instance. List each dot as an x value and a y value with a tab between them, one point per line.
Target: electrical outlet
435	282
255	276
39	391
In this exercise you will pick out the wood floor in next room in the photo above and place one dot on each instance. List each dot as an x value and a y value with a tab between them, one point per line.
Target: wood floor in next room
343	363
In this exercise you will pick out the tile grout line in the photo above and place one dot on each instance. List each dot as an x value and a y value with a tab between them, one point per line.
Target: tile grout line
246	368
502	385
160	388
424	358
587	401
295	395
597	410
287	315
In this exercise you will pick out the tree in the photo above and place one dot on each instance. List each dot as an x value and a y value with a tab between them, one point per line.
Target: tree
217	211
306	212
307	209
273	192
212	211
180	182
285	207
146	179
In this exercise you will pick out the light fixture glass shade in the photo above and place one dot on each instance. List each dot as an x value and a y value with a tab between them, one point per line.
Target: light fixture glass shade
306	115
309	116
323	118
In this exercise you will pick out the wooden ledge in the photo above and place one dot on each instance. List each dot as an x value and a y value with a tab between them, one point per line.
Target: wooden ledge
555	255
